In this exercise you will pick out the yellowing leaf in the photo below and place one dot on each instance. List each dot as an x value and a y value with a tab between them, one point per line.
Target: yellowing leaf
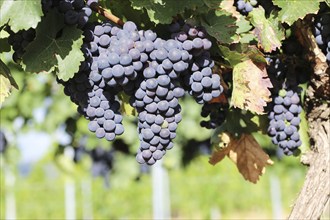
5	88
250	88
292	10
7	82
247	154
266	31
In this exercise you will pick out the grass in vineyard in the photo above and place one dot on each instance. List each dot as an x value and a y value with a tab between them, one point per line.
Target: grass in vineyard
194	191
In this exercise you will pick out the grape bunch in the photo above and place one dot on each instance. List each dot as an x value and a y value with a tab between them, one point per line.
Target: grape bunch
245	6
277	72
102	160
198	79
152	71
321	31
102	163
159	112
284	121
90	88
75	12
19	41
286	106
216	111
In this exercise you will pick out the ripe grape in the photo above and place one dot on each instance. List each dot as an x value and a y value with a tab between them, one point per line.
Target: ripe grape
285	121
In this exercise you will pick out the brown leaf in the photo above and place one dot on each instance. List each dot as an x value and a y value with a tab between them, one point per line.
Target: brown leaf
223	149
247	154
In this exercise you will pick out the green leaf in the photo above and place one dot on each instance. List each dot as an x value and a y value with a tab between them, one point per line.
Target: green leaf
265	30
232	56
252	52
20	14
247	38
125	10
4	46
68	66
243	25
7	82
327	2
221	25
292	10
162	11
213	3
55	45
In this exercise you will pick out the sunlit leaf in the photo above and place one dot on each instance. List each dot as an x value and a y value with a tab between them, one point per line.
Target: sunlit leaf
246	153
292	10
55	45
7	82
20	14
265	31
250	87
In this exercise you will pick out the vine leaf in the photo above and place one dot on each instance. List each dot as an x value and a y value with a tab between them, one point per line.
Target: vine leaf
221	25
162	11
20	14
68	66
232	56
4	46
7	82
250	87
242	24
292	10
246	153
55	45
266	31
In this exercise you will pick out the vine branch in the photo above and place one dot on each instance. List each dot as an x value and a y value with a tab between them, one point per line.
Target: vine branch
100	10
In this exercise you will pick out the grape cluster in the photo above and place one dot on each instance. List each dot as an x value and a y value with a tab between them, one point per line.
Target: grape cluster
322	32
102	160
152	71
198	79
277	70
159	114
285	109
245	6
75	12
284	121
91	89
19	41
216	113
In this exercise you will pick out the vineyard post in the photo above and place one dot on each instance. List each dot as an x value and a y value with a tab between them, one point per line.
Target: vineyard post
69	191
160	192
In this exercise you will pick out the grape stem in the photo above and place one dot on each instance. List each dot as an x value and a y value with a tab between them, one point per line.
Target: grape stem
99	9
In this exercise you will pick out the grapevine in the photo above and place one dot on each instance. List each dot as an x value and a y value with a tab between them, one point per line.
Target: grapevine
251	69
